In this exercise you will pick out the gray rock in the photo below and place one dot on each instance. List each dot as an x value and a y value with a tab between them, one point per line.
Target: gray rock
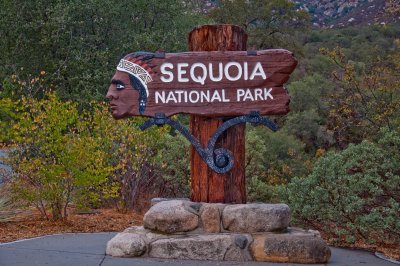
235	253
126	245
154	201
250	218
171	217
290	247
211	218
195	206
201	247
241	241
136	229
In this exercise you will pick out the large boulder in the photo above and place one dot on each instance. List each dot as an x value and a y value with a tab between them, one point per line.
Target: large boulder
126	245
290	247
171	217
255	217
201	247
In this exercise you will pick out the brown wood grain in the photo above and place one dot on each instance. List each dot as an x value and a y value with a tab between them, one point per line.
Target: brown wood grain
206	185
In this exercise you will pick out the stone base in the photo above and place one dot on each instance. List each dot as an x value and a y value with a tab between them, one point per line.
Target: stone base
181	229
294	246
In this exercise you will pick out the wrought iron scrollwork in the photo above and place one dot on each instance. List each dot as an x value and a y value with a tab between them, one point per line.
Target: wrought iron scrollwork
221	160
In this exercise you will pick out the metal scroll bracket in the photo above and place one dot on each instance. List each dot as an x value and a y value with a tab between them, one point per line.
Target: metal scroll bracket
223	160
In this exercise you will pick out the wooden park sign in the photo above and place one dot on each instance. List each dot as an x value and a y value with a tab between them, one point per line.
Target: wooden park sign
228	83
221	85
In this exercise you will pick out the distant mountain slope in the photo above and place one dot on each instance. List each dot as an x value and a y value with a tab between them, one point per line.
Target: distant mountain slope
331	13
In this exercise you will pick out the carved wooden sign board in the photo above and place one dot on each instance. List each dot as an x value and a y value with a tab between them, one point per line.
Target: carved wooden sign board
218	83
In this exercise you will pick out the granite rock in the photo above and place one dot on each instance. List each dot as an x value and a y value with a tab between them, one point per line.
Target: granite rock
171	217
126	245
291	248
200	247
211	219
250	218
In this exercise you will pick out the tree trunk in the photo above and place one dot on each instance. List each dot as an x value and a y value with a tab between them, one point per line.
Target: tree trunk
207	185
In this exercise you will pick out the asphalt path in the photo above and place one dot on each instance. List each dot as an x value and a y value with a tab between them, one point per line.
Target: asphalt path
89	249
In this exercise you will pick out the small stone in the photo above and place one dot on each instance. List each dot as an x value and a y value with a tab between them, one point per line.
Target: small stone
211	218
314	232
292	248
250	218
126	245
195	206
241	241
171	217
136	229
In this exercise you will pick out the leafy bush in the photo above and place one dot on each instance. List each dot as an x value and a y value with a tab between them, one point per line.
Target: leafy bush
272	158
354	194
64	156
132	154
54	161
174	167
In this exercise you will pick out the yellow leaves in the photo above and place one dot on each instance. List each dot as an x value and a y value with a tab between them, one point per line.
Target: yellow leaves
320	153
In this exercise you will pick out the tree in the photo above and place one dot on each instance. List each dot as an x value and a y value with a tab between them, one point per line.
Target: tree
78	44
365	102
269	24
308	117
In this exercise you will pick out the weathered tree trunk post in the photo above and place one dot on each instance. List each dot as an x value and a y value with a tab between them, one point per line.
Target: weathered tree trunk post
207	185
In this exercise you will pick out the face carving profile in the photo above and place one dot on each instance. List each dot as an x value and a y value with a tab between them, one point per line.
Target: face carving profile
129	83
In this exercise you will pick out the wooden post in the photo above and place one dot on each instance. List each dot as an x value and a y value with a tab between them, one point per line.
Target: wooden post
207	185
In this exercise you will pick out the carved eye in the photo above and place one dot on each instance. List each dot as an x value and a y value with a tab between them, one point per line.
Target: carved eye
120	87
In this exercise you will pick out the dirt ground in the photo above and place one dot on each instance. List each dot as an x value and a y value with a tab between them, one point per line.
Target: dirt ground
31	224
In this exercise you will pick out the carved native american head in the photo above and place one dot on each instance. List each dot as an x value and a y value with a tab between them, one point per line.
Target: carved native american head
132	77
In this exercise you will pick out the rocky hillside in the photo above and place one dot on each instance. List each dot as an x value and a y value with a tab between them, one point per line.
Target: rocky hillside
331	13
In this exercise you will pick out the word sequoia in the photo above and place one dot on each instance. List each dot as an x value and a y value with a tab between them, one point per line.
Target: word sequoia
198	72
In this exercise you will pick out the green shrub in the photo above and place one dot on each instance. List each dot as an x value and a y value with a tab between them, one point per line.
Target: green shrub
56	162
354	194
63	156
174	167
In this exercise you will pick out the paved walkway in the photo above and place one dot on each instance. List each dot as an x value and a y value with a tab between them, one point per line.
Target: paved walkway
89	249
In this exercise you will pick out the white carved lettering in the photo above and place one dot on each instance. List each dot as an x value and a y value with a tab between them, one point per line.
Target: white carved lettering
181	72
165	72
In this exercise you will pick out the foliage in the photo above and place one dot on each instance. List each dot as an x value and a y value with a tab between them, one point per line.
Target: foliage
269	24
272	158
174	167
363	103
79	44
55	162
309	112
357	43
353	194
132	153
65	157
7	213
258	190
